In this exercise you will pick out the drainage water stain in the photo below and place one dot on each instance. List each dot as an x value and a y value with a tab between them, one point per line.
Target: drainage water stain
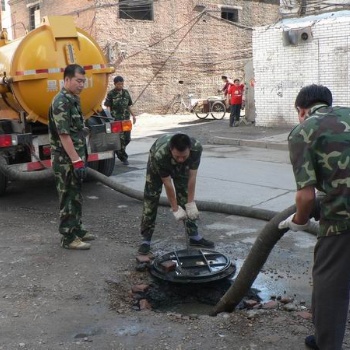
191	298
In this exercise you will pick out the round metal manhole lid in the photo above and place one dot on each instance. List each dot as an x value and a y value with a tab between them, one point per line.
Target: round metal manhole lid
192	266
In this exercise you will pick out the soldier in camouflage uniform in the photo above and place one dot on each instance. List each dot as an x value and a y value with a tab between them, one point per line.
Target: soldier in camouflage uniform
119	103
320	154
173	162
68	149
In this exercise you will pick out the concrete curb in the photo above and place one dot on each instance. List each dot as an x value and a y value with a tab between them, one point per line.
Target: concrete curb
217	140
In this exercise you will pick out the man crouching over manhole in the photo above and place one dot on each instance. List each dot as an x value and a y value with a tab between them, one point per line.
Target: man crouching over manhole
172	159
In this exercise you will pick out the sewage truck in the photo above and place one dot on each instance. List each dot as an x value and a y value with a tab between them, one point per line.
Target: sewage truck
31	74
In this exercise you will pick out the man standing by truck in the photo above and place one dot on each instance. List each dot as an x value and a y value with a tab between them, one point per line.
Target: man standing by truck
68	149
119	103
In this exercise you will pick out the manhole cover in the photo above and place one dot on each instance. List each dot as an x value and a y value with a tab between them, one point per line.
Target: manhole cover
192	266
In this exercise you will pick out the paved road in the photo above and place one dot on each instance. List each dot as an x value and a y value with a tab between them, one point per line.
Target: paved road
53	298
251	176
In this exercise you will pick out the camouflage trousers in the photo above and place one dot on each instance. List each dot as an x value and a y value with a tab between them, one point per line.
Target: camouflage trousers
153	189
125	138
70	198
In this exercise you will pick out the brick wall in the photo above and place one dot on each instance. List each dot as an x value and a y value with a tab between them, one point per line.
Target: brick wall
280	71
179	44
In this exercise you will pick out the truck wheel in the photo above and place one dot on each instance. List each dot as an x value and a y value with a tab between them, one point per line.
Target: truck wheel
3	183
92	165
106	166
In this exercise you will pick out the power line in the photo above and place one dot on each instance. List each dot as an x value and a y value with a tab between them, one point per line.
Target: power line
164	63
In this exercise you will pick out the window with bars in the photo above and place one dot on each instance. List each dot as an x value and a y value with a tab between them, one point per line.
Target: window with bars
136	9
34	17
229	14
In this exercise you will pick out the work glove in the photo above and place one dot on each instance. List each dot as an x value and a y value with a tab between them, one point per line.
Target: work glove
180	214
288	223
80	170
192	211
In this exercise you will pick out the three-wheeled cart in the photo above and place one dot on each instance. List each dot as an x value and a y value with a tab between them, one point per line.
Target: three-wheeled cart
214	106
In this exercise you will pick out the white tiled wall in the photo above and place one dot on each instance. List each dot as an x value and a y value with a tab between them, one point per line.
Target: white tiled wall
280	71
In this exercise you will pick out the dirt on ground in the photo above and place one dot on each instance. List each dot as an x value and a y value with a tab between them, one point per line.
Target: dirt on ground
57	299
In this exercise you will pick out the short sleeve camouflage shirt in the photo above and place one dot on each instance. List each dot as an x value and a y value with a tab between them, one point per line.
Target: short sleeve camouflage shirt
65	117
118	102
320	154
164	164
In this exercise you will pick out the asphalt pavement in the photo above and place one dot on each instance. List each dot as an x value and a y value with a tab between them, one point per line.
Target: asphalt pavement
245	165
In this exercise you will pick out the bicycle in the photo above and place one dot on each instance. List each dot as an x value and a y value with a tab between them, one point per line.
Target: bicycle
180	105
202	108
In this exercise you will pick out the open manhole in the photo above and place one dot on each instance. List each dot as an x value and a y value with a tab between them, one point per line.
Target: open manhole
192	266
189	281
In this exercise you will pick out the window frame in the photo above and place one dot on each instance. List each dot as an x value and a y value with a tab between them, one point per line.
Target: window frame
33	23
144	13
230	10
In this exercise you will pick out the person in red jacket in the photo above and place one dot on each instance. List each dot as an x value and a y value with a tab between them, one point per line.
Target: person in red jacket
235	96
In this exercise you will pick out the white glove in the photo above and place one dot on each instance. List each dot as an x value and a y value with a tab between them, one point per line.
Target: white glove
180	214
314	226
288	223
192	211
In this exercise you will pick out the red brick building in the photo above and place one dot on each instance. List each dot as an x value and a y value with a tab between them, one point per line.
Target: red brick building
155	44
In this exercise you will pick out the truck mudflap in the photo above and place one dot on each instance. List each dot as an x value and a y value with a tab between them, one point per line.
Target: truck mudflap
46	164
105	134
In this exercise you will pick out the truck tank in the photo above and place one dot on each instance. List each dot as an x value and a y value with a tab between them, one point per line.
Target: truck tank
31	69
31	74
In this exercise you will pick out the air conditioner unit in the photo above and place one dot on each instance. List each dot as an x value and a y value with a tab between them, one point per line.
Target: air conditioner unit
296	36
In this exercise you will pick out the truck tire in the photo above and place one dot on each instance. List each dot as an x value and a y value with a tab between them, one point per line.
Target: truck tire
94	166
3	183
106	166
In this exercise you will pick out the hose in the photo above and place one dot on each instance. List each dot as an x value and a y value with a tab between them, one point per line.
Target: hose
258	254
13	174
256	258
214	207
254	262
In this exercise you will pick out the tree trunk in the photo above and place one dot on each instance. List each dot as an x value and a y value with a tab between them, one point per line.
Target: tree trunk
254	262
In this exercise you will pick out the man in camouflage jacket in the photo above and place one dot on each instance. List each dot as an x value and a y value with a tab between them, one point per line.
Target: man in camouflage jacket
119	103
320	154
173	162
68	150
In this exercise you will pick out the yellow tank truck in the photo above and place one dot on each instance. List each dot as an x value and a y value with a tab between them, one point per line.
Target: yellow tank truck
31	74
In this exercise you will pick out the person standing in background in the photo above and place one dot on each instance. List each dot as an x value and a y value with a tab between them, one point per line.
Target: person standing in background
235	97
227	81
119	103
